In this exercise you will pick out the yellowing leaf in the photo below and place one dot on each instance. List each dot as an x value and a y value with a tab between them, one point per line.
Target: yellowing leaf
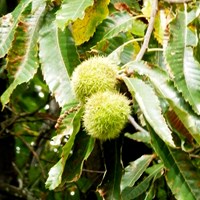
162	20
70	11
147	7
83	29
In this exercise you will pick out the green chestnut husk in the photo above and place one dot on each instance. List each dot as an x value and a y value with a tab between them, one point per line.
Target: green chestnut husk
97	74
106	114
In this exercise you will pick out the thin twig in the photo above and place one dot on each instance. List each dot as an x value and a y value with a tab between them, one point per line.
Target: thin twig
17	170
13	191
16	116
135	124
93	171
194	156
34	154
154	49
149	31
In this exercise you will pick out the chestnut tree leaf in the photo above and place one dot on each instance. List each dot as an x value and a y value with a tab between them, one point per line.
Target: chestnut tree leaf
110	186
161	81
150	107
182	176
70	11
55	174
83	29
183	67
8	24
134	170
83	146
58	58
22	60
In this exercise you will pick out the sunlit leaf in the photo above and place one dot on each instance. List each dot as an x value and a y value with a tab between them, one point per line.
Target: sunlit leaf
71	10
161	22
150	107
121	53
58	57
22	61
55	175
83	29
183	67
36	4
147	7
160	80
138	28
121	22
140	137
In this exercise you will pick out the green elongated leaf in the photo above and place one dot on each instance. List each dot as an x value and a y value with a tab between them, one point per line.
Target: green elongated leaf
157	189
58	58
151	193
162	19
160	80
130	193
112	26
36	4
117	53
83	146
65	123
22	61
129	52
71	10
182	177
83	29
121	22
140	137
8	24
150	107
134	171
110	186
108	46
184	69
138	28
55	174
147	8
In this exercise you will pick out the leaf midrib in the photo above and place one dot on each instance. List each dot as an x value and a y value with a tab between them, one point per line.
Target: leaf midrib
32	41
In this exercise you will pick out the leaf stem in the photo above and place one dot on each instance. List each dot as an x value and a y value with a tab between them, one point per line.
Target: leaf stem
154	49
135	124
149	31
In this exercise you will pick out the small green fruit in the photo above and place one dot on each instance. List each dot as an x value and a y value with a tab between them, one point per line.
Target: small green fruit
106	114
96	74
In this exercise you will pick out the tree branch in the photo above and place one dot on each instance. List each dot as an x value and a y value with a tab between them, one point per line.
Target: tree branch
34	154
149	31
13	191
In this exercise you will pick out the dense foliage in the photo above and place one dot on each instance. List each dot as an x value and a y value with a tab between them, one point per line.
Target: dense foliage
45	151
